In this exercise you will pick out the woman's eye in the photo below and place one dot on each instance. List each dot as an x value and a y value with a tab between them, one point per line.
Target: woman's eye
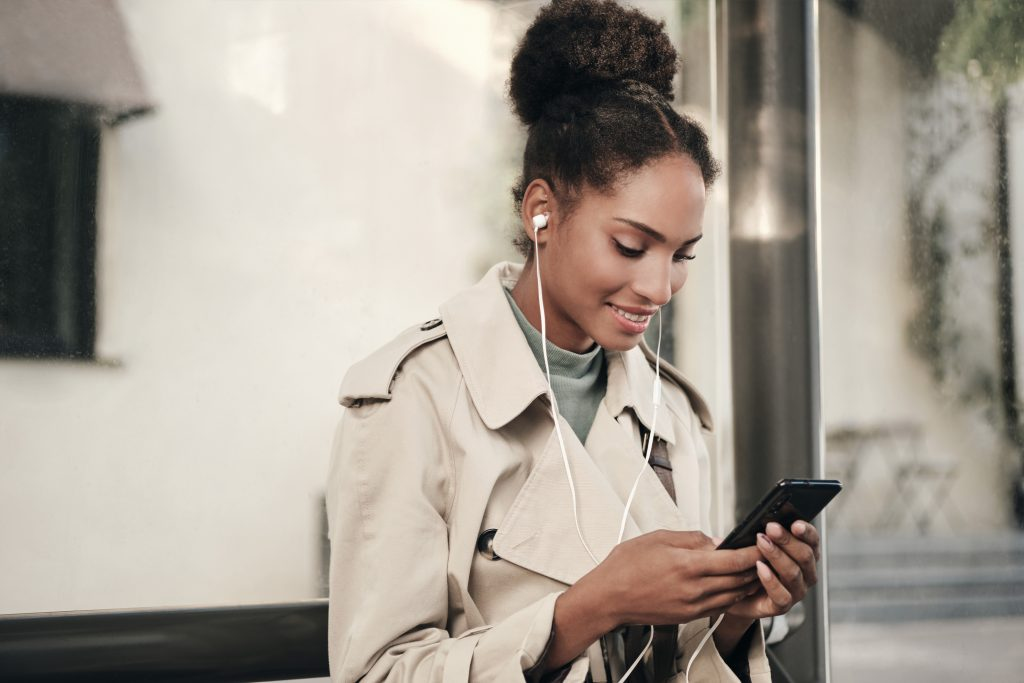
626	251
683	257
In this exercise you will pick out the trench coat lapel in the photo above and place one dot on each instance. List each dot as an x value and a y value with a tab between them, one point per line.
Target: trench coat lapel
500	372
539	531
614	445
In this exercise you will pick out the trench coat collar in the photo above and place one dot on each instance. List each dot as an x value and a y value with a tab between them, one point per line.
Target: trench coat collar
630	385
501	373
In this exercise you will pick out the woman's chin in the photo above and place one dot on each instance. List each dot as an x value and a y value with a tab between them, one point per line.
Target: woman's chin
618	341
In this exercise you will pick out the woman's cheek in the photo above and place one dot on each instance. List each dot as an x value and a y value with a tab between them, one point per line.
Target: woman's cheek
679	277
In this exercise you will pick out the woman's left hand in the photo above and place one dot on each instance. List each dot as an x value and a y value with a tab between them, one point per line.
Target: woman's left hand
788	572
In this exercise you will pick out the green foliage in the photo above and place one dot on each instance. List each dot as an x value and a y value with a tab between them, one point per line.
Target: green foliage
985	42
929	332
691	11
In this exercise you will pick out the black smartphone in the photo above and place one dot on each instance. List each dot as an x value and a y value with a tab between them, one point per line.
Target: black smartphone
788	501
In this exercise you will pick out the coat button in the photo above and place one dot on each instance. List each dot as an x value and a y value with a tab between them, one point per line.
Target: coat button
430	324
485	545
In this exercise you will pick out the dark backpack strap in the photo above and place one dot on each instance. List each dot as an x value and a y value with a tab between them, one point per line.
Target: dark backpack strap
659	460
664	645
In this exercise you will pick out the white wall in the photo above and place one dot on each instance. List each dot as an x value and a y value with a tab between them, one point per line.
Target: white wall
1015	157
315	178
870	376
703	320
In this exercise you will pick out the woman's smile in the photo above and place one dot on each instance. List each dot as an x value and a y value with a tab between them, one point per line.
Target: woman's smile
631	321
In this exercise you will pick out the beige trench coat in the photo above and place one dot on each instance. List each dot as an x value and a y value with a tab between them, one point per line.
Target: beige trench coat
448	434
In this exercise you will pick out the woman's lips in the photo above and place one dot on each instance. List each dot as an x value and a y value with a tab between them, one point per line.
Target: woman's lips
631	320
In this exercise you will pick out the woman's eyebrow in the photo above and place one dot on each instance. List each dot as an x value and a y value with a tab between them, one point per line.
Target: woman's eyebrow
652	233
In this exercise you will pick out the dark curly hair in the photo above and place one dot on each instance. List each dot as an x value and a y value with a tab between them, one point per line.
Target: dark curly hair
592	81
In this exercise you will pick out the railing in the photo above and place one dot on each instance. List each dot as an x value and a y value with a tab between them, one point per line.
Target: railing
273	642
246	643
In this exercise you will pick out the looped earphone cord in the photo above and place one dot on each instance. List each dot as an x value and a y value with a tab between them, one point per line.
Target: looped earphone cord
554	406
656	401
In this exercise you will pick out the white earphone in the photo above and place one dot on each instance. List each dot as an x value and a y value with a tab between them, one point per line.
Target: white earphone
540	221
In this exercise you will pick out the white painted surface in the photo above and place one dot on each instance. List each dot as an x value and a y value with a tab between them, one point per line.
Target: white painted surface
315	178
870	375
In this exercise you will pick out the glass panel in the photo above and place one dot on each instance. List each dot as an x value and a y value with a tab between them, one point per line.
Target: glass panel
702	307
314	178
922	241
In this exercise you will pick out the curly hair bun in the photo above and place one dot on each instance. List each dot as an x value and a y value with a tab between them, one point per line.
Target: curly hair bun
577	46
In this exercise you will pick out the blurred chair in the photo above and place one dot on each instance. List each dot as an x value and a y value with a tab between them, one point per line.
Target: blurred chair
918	485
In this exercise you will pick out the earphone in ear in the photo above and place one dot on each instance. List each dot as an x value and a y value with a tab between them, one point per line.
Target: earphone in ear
540	221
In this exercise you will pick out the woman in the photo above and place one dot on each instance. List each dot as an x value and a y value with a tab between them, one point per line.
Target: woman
471	541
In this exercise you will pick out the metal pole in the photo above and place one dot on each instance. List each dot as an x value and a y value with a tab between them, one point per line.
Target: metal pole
773	277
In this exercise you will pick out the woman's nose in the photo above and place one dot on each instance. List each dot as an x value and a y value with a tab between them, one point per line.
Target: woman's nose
654	283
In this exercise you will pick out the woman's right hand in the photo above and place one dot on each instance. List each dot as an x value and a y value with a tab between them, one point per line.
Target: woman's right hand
672	577
663	577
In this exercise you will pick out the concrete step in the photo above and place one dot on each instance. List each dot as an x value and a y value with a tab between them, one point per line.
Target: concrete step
894	551
905	579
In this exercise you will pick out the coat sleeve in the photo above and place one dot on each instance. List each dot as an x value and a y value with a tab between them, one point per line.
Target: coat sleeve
390	489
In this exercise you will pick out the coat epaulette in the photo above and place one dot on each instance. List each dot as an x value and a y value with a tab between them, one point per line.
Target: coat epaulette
700	406
372	377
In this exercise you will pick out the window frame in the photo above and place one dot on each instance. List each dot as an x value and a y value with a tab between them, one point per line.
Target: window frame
48	307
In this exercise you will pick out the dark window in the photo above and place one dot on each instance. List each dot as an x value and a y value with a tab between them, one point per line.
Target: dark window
49	156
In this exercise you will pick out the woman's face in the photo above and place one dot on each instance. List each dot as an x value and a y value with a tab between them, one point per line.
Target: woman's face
621	255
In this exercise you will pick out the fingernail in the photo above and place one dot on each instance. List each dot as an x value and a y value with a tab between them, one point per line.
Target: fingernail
774	528
765	542
800	528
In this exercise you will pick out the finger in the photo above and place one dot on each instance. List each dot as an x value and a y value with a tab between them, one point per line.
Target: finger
777	593
801	552
730	582
789	572
690	540
719	602
806	532
731	561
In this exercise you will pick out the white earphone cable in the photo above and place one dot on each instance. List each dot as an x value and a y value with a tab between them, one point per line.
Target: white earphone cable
554	404
700	645
656	400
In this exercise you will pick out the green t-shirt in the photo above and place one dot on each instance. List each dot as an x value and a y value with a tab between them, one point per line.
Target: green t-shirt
578	380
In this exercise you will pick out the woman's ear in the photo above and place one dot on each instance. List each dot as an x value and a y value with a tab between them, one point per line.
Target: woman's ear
538	200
